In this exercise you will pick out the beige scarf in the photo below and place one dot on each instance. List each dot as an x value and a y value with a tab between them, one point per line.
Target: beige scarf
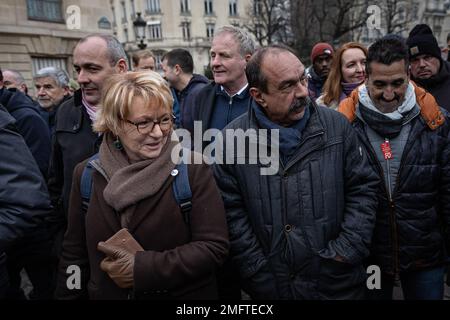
130	183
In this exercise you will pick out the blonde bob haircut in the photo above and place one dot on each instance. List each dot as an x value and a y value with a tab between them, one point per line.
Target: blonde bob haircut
119	92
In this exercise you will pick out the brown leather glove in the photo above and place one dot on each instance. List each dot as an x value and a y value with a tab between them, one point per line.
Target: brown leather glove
119	264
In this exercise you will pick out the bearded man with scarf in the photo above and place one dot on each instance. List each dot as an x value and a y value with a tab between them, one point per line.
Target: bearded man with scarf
407	137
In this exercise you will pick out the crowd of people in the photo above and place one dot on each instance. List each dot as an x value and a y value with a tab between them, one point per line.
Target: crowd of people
92	173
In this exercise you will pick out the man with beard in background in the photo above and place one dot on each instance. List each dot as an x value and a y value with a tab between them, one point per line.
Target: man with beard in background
302	232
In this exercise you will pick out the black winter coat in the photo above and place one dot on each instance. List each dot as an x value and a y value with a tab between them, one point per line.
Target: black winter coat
73	142
286	229
409	231
30	125
24	199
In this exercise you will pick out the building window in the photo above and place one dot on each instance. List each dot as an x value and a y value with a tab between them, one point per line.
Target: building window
153	6
114	16
124	12
209	7
41	62
158	58
125	33
154	30
257	7
186	30
210	30
103	23
133	10
233	7
185	6
47	10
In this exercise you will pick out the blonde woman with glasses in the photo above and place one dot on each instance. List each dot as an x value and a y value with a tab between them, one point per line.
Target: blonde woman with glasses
132	189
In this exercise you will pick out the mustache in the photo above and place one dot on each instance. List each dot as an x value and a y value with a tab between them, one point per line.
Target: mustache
299	104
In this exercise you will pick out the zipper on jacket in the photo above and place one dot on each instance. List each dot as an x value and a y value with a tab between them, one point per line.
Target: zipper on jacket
406	150
387	153
230	103
365	140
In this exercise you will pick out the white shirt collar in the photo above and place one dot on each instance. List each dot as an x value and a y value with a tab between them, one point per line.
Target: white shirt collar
237	93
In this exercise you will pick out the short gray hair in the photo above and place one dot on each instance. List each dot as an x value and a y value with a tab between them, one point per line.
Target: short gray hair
113	46
246	43
60	76
19	78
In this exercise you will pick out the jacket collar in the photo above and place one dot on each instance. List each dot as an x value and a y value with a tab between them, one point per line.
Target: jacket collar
429	109
314	135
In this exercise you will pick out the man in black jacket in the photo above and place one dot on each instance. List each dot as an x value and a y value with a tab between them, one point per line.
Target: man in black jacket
303	230
29	124
408	138
428	69
24	199
95	58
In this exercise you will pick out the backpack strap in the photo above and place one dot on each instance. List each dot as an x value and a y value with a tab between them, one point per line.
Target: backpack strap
182	190
86	184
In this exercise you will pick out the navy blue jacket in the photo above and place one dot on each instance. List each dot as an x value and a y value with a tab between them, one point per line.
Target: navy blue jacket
215	109
30	125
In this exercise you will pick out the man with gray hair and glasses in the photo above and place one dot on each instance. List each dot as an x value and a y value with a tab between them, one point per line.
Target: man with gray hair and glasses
52	89
95	58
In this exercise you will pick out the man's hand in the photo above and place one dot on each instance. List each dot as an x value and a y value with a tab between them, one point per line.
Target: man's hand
118	264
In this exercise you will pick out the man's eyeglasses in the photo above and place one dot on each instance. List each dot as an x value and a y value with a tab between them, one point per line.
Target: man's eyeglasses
143	127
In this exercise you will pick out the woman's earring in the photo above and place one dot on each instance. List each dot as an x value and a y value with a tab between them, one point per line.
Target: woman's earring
117	144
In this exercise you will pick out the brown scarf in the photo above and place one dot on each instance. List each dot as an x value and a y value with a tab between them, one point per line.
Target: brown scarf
130	183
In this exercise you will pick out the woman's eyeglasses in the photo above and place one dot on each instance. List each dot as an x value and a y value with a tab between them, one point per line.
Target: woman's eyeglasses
144	127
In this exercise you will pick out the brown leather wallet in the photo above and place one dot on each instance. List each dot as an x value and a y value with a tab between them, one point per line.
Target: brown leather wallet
125	240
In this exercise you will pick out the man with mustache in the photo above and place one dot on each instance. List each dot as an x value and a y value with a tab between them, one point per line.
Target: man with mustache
407	136
303	232
95	58
317	73
428	69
